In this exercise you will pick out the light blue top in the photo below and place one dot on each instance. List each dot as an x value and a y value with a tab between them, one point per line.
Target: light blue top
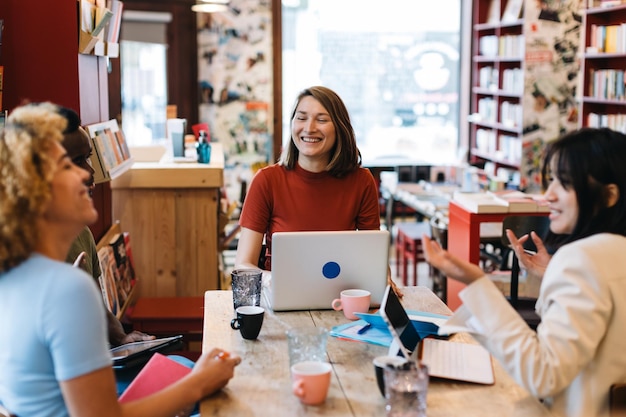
52	328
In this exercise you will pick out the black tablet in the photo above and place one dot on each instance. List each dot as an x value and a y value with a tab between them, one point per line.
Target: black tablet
138	353
398	322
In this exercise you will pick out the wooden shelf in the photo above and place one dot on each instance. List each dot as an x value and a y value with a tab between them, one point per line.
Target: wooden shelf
518	100
603	71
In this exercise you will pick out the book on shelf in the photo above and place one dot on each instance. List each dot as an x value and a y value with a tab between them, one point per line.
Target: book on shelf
125	273
108	280
493	14
512	11
113	31
118	277
118	274
102	18
111	156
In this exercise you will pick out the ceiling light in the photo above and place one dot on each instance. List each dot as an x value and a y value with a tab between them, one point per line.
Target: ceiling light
210	7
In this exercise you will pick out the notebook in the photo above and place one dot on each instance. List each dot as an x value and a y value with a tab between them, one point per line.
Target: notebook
445	359
158	373
310	269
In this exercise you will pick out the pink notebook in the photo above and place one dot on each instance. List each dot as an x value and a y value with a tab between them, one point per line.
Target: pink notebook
158	373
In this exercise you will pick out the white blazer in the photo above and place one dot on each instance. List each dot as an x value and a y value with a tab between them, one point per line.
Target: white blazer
579	349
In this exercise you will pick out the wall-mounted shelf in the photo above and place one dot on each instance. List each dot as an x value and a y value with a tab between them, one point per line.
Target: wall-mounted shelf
603	98
524	80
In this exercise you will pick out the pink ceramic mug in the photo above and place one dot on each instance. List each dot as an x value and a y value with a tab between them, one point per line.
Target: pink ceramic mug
352	301
311	381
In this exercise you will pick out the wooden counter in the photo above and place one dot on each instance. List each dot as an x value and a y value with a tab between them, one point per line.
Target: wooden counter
171	211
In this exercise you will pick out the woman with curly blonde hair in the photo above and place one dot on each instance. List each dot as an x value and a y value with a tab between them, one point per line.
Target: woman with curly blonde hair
54	354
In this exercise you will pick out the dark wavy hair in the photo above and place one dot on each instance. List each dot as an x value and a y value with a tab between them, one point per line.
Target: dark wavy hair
345	156
586	161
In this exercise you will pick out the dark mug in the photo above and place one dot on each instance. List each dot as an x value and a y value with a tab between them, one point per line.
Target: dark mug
380	363
249	321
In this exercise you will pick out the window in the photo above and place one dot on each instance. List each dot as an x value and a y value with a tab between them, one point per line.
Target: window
143	49
396	65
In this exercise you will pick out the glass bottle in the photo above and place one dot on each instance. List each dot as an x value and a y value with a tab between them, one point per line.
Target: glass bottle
203	148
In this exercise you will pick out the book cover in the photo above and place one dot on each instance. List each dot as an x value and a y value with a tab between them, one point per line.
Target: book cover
108	280
610	41
122	144
158	373
125	273
493	15
129	250
512	11
103	145
113	31
114	146
102	18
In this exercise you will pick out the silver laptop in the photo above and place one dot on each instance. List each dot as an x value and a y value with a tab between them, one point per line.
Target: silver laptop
310	269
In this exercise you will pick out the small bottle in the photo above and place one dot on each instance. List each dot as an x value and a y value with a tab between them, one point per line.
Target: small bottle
203	148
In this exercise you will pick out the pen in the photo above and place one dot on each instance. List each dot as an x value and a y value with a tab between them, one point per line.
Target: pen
364	328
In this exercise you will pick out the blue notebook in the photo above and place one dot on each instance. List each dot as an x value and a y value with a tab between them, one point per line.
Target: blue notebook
371	328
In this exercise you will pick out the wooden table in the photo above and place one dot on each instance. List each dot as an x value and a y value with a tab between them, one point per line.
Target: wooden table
262	386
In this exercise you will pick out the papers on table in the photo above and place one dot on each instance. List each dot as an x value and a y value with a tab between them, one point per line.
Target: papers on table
377	333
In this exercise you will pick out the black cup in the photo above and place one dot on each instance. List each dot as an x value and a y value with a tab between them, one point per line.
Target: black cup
249	321
380	362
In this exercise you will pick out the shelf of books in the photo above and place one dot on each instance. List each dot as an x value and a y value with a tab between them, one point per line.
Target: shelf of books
603	99
523	77
99	27
111	155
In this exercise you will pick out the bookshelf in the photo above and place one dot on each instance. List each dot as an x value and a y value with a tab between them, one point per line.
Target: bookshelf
603	98
523	77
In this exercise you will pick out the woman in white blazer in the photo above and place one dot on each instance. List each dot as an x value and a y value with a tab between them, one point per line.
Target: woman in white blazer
578	350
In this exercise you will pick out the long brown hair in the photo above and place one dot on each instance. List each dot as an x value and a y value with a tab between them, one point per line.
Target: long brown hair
345	156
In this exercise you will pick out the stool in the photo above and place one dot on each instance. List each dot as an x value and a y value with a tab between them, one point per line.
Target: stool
409	247
169	316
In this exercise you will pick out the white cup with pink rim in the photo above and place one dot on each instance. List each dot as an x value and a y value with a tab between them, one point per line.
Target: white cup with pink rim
352	301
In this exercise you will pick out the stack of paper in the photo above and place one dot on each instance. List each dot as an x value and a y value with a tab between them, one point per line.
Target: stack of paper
507	201
480	202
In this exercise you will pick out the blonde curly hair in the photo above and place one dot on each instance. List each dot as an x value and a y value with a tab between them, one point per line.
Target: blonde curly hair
26	172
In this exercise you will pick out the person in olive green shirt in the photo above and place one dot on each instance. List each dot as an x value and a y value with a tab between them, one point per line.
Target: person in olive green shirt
77	143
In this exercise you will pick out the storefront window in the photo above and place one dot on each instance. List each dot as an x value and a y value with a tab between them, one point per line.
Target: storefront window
394	63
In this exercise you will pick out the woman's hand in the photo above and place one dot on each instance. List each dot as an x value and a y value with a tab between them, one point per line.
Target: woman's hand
136	336
535	264
452	266
217	368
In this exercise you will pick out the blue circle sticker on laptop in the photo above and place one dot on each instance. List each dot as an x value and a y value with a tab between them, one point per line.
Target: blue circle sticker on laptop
331	270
